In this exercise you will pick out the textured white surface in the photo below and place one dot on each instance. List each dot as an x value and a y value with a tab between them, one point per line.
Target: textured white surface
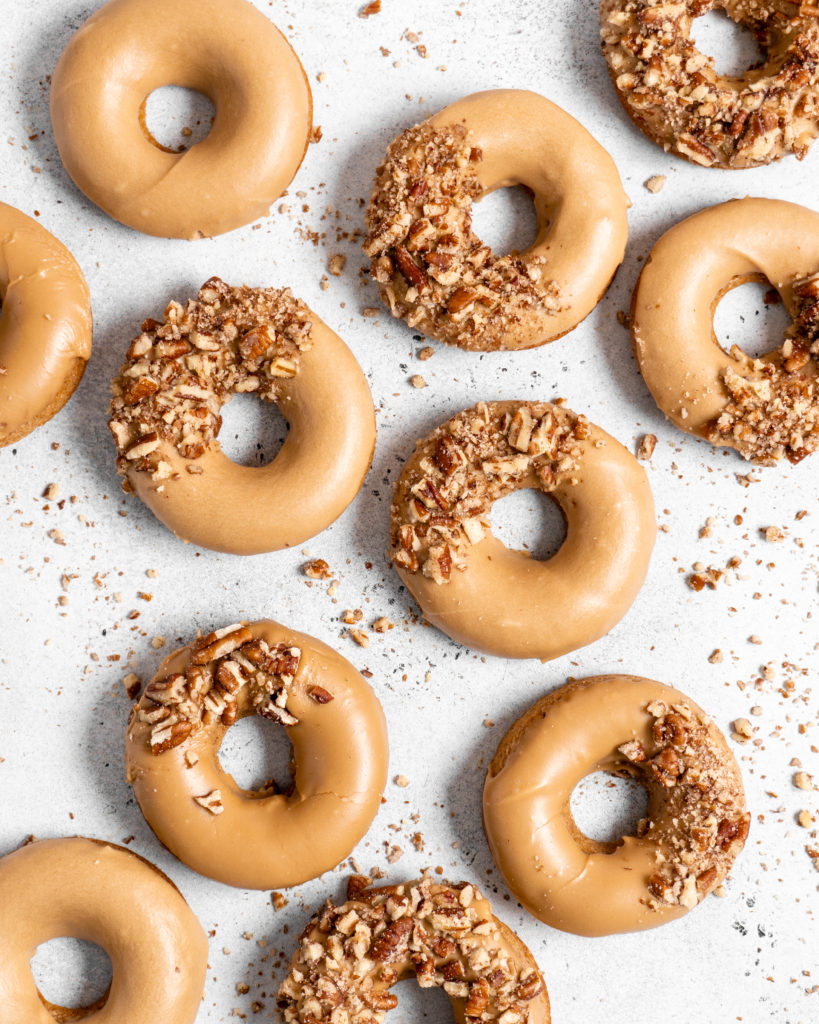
751	956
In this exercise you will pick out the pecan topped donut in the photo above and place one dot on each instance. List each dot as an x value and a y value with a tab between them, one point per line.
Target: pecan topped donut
443	935
165	418
673	93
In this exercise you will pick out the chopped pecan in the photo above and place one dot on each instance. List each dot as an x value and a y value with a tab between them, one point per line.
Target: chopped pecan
218	644
391	944
478	999
667	767
410	269
320	695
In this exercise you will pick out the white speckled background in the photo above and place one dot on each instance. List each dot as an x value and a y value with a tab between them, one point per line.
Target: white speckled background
752	956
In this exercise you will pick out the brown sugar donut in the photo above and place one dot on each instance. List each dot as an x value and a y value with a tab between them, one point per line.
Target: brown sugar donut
432	269
765	408
696	825
504	602
165	418
86	889
226	49
672	92
45	326
443	935
259	839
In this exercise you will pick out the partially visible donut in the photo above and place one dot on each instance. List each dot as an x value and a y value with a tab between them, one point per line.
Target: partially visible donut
226	49
45	325
478	591
258	839
443	935
87	889
165	418
697	821
673	93
433	270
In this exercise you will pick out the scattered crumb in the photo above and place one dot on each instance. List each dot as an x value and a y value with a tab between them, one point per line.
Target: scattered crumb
418	381
351	616
402	781
360	637
655	183
317	569
645	449
802	780
805	819
368	10
427	352
743	728
382	625
716	657
278	900
336	264
772	534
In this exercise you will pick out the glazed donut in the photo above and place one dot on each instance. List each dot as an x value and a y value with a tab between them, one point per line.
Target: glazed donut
265	839
504	602
443	935
672	92
432	269
165	419
45	326
226	49
86	889
625	725
765	408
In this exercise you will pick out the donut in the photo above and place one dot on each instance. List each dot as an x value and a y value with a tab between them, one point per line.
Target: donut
165	418
226	49
432	269
629	726
504	602
45	326
258	839
443	935
95	891
765	408
673	93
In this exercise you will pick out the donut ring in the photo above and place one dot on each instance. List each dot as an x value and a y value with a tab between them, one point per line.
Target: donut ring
503	602
442	935
87	889
45	326
766	408
258	840
165	419
226	49
673	94
696	825
432	269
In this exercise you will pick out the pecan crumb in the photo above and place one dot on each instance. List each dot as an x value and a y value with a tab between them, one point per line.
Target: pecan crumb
648	442
317	569
655	183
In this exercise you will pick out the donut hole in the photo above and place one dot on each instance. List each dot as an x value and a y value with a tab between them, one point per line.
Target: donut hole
72	973
733	47
531	521
743	318
256	752
607	807
174	118
506	220
431	1005
253	431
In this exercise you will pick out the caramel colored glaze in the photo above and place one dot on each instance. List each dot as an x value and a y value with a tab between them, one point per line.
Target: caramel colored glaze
563	878
511	605
226	49
443	935
247	510
271	841
689	270
86	889
45	325
517	137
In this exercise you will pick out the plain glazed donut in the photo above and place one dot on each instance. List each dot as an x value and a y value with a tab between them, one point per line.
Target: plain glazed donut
503	602
696	825
673	93
432	269
265	839
765	408
86	889
45	326
165	419
226	49
443	935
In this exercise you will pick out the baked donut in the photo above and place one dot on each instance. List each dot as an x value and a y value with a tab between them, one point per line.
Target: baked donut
625	725
432	269
504	602
86	889
445	936
226	49
673	93
258	839
765	408
165	419
45	326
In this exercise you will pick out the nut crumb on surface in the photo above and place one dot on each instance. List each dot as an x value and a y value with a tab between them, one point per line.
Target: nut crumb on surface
368	10
382	625
360	637
427	352
418	381
402	781
772	534
317	569
645	449
743	728
655	183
